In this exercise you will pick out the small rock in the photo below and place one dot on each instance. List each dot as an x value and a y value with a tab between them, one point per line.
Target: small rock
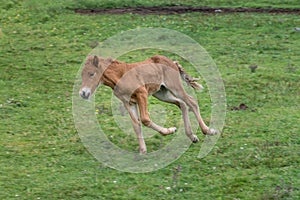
297	29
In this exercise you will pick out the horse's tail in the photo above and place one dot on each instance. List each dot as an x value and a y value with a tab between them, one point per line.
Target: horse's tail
188	79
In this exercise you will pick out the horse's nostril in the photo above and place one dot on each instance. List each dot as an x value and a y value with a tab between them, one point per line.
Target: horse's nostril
85	93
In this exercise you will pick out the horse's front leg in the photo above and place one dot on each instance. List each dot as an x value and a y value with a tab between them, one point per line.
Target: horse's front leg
133	112
142	101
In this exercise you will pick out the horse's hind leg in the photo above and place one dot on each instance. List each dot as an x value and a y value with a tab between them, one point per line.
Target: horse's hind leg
179	92
166	96
192	103
142	101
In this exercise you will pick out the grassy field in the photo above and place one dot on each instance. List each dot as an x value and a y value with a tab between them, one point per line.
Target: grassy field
42	46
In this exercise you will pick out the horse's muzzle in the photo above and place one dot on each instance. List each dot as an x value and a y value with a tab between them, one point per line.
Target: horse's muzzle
85	92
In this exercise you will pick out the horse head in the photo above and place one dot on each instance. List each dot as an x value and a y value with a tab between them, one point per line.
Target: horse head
91	75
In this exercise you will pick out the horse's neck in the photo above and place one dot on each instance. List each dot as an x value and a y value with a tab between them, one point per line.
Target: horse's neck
113	74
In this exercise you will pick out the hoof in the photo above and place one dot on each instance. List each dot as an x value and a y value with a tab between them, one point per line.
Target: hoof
212	131
172	130
194	139
143	151
168	131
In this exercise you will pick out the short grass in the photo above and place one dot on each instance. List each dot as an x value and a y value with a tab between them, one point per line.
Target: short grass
42	157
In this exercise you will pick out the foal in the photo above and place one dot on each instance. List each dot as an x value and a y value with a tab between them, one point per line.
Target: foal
133	83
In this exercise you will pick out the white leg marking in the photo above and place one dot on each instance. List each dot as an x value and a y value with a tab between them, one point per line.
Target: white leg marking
212	131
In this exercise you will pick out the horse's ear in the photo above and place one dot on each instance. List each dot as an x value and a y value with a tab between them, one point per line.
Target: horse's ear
95	61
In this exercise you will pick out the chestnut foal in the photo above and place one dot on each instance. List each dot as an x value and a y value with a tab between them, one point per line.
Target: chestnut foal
133	83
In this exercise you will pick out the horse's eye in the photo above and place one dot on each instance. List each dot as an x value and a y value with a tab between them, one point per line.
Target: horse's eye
91	74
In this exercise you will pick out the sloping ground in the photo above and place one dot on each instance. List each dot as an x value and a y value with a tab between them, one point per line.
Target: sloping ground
186	9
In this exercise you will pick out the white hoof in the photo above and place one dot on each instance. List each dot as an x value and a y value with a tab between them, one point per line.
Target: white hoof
168	131
172	130
194	138
212	131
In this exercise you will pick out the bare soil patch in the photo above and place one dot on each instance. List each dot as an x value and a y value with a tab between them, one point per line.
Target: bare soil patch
166	10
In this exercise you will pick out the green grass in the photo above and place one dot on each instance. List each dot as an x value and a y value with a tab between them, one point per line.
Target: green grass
41	154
